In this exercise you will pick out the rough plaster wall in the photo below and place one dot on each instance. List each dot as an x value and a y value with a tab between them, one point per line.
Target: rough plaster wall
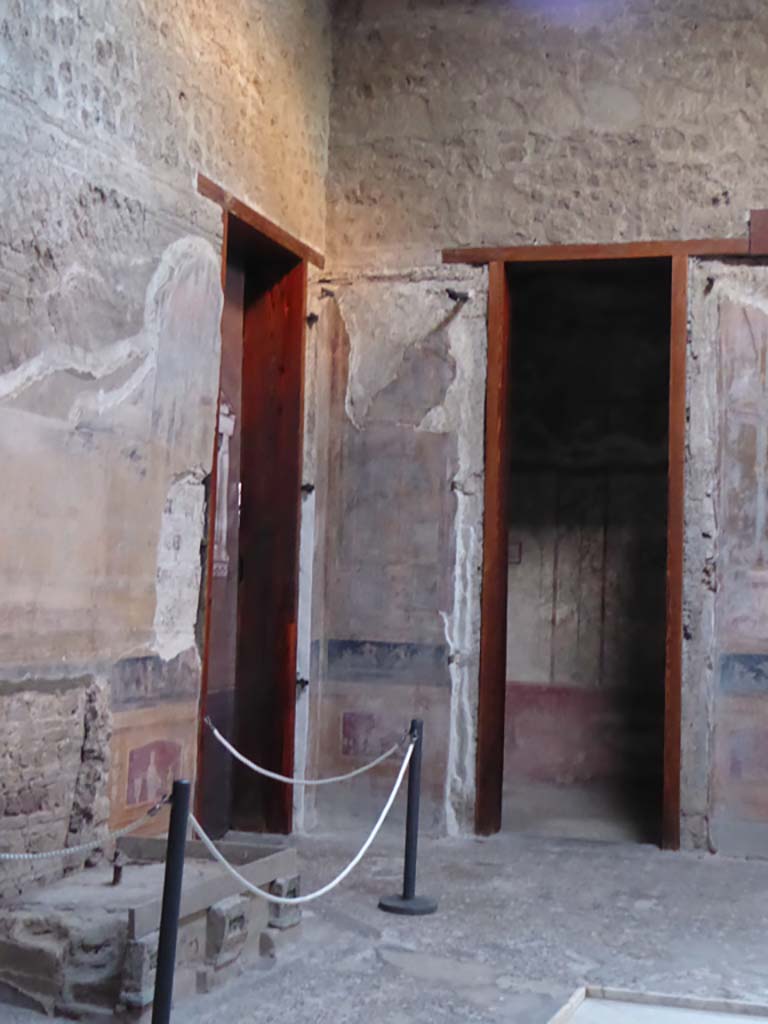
396	611
170	89
521	121
110	302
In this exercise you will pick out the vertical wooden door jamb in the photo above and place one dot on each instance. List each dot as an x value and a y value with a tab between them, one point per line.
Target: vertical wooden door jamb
493	628
675	536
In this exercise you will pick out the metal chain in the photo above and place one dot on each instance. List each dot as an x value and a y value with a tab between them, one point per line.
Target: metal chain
94	843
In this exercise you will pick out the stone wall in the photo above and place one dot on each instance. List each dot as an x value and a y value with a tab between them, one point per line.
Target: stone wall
543	121
451	123
528	121
110	301
396	462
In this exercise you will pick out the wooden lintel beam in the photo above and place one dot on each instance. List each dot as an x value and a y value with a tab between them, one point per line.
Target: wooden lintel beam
493	616
607	251
258	221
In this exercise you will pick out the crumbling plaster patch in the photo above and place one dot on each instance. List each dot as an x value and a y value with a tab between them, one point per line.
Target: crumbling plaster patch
179	570
393	320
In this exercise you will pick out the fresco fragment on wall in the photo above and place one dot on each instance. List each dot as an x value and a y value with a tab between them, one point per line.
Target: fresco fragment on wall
740	774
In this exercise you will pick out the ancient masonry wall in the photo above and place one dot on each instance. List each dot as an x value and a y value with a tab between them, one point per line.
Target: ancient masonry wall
464	124
110	301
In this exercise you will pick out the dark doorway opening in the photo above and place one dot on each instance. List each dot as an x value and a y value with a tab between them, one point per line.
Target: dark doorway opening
249	672
587	478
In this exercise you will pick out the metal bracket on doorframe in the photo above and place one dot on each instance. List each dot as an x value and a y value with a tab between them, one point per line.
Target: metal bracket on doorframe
302	684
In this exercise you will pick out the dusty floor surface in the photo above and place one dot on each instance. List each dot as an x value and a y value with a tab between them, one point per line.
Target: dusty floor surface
592	811
522	922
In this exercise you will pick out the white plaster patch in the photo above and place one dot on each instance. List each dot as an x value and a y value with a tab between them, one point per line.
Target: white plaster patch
462	634
459	414
377	342
179	569
303	654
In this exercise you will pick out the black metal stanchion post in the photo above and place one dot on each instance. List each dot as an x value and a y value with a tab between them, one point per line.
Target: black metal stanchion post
409	903
169	916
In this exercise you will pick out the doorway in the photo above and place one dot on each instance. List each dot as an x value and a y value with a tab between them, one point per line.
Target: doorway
495	570
587	480
252	564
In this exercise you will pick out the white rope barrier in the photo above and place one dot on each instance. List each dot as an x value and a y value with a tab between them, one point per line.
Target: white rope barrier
93	844
300	782
293	900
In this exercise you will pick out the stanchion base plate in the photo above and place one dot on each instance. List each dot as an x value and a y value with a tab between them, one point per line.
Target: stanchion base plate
413	907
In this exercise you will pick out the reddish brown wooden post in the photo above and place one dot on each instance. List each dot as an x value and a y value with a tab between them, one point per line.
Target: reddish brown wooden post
493	633
266	267
675	530
758	233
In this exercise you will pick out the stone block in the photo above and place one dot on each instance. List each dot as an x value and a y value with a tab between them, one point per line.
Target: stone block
191	944
227	930
281	916
93	970
259	913
139	969
31	959
273	941
267	945
140	963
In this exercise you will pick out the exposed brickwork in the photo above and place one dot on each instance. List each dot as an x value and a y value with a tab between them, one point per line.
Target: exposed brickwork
53	778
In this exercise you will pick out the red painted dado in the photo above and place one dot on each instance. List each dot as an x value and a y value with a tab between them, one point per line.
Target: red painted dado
566	734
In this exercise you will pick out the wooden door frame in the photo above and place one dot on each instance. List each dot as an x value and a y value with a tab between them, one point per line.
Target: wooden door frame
273	235
493	627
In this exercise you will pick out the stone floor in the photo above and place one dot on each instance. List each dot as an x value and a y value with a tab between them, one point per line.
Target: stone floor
600	811
522	923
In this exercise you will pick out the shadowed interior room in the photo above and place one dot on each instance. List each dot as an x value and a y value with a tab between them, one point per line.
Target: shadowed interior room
589	401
